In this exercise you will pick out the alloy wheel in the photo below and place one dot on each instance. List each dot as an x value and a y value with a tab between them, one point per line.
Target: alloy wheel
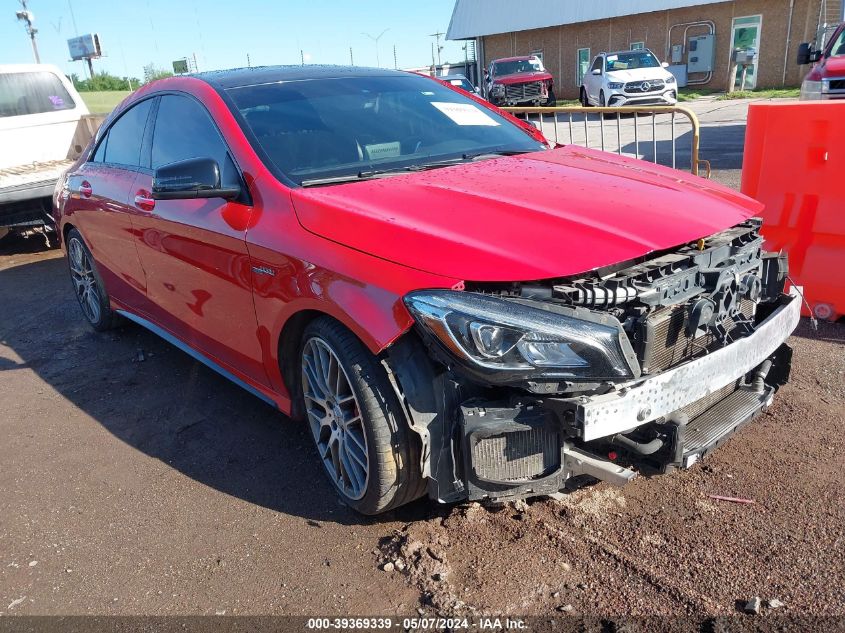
334	416
84	281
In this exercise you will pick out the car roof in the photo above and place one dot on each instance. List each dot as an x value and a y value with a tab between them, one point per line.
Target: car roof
518	58
237	77
630	50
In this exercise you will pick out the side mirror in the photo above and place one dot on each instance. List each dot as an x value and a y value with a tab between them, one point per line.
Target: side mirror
665	64
804	51
806	54
596	71
192	178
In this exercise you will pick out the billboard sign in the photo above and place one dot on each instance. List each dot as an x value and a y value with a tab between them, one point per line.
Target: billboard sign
180	66
84	46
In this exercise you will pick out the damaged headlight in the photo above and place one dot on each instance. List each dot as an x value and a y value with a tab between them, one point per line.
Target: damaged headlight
490	335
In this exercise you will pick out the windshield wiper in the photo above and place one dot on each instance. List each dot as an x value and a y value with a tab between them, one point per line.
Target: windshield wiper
497	154
395	171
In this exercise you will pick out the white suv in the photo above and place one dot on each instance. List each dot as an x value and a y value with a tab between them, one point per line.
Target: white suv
628	78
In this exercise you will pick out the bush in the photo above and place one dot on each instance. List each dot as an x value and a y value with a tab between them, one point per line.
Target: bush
104	82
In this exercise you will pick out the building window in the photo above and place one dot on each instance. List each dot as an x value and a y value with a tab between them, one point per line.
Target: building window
637	46
583	65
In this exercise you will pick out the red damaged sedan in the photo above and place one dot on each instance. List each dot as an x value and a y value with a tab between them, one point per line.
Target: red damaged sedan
454	308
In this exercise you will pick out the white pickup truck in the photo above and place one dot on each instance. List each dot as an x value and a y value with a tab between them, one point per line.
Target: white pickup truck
44	126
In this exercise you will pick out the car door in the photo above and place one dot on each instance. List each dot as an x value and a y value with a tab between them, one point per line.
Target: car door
594	82
194	251
98	204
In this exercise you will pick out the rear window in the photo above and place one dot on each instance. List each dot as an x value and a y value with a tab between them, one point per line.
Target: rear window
32	93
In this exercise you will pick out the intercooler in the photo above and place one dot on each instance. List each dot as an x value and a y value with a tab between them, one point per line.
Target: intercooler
662	338
511	450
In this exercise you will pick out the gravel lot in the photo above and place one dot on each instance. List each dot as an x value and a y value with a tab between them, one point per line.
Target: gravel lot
154	486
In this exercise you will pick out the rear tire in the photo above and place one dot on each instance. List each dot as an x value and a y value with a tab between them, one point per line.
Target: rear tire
88	286
356	421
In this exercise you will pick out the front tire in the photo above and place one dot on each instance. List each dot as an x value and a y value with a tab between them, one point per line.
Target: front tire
602	100
585	101
552	100
88	286
356	421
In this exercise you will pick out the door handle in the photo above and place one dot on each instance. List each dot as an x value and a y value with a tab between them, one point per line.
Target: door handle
144	202
85	188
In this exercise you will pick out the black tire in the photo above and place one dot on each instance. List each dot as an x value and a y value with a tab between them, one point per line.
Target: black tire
88	285
602	100
552	100
393	469
585	101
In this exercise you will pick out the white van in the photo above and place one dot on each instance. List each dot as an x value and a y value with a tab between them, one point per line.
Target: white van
40	136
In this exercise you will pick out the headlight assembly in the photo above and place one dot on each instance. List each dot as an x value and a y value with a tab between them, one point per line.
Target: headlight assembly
670	79
497	90
509	341
615	85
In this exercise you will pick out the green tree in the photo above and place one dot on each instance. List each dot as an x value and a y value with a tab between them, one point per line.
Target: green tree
104	82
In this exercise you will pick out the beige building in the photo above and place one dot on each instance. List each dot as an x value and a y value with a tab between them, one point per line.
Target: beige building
568	34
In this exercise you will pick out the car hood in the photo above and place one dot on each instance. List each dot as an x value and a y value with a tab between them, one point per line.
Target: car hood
638	74
535	216
834	66
521	78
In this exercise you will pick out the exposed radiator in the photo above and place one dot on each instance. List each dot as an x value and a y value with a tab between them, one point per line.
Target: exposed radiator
517	455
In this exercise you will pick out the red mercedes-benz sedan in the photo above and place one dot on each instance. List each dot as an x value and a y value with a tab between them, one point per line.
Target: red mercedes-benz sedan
453	307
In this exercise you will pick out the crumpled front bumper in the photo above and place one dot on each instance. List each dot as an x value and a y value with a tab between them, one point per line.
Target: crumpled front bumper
513	449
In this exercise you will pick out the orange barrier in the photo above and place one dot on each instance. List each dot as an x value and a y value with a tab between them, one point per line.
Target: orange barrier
795	164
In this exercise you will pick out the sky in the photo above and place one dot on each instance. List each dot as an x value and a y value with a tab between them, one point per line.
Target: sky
221	33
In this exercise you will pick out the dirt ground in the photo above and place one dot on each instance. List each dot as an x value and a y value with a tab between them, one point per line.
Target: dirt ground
153	486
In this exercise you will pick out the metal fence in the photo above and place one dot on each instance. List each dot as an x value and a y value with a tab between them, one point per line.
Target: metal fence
670	136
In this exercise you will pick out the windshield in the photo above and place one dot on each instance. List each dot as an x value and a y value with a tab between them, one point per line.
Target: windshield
32	93
631	61
326	128
460	82
838	47
519	66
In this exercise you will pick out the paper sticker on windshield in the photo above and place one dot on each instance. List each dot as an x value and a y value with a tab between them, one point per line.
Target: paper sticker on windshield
465	113
383	150
612	58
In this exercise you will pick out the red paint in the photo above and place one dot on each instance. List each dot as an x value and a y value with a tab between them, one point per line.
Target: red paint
226	277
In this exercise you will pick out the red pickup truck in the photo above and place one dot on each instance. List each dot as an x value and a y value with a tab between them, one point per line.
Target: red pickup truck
514	81
826	79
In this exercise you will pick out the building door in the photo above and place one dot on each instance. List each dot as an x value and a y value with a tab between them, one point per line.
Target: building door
746	34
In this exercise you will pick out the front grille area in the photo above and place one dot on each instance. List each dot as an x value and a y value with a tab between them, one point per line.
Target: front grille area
645	86
661	340
837	85
524	92
517	455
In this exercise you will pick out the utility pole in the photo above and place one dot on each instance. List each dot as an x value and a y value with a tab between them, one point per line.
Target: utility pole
395	63
351	60
376	39
439	48
302	56
26	16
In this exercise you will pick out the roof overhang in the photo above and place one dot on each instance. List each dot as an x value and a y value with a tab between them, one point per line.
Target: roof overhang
475	18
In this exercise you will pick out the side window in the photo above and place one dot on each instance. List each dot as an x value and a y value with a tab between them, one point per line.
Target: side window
598	64
185	130
100	154
123	143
